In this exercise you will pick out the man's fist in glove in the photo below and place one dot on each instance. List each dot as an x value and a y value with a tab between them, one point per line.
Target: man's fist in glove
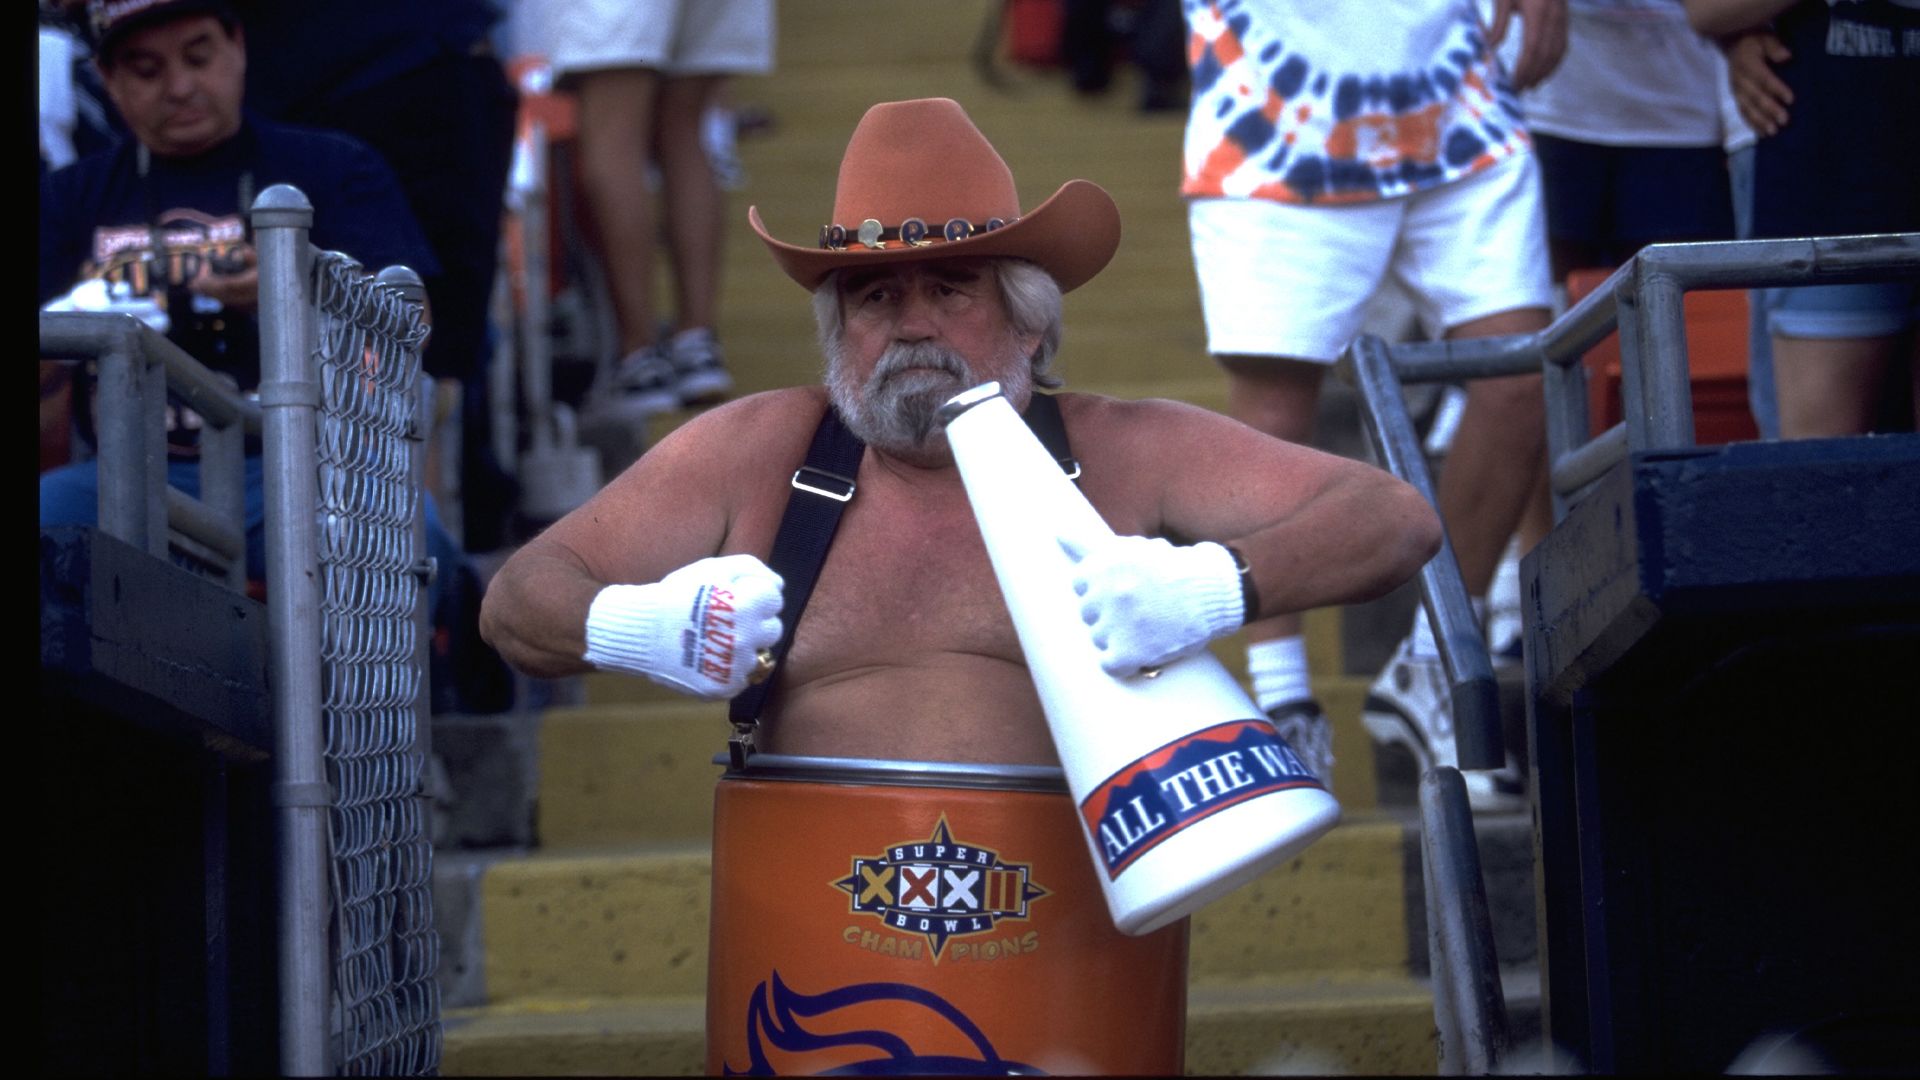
1149	602
697	630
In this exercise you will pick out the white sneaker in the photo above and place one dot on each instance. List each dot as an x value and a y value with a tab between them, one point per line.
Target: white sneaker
1307	731
700	376
641	385
1501	790
1503	608
1411	705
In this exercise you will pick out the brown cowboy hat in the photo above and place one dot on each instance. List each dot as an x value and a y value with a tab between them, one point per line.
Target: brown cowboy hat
919	181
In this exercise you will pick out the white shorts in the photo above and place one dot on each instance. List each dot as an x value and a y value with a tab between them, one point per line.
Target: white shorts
674	37
1279	279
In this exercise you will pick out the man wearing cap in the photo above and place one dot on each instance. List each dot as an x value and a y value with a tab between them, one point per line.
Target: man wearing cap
927	280
164	215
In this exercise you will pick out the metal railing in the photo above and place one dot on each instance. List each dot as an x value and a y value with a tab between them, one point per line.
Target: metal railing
137	368
1643	298
346	410
342	412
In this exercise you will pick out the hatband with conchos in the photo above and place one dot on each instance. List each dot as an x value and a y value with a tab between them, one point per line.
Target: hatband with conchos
911	232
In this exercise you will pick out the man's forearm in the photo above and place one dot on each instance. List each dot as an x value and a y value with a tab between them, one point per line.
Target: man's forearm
1352	543
535	614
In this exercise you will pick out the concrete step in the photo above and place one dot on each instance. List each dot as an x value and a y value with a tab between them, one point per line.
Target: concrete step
642	772
1299	1027
629	773
634	764
634	921
615	924
1312	1026
584	1037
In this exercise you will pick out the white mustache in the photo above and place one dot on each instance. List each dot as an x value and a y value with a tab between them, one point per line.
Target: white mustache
899	359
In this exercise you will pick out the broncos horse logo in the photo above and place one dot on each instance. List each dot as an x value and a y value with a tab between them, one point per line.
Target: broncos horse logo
775	1011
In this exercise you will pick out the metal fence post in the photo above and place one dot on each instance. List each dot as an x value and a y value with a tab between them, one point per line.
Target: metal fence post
289	396
1565	386
1667	388
223	485
133	444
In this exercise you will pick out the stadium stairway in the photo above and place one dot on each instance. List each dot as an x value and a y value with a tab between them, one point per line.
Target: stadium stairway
572	872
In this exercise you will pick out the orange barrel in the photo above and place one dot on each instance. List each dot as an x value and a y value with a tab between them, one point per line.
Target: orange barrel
900	917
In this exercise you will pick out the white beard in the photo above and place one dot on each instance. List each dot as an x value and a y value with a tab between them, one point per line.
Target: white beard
896	410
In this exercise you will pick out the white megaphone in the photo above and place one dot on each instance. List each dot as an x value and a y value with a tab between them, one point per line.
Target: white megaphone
1185	790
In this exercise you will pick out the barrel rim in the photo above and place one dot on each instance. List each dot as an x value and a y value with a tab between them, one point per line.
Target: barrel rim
948	774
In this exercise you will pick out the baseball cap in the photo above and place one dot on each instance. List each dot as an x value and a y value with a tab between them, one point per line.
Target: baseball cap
110	21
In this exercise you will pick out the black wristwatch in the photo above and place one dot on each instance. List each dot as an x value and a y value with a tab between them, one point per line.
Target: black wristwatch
1249	595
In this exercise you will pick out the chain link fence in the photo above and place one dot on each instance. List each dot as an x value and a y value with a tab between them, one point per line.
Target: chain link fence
367	357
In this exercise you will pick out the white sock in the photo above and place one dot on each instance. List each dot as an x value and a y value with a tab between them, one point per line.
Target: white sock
1279	670
1422	644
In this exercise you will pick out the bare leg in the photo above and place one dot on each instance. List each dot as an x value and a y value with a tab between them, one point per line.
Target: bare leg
1536	521
693	201
616	136
1281	397
1829	386
1491	471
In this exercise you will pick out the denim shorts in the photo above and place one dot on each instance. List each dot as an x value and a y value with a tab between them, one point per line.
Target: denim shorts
1868	310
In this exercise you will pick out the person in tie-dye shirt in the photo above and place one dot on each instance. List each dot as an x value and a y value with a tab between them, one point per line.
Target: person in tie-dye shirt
1341	107
1330	147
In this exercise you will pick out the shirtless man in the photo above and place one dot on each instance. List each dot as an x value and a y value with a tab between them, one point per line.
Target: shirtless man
906	650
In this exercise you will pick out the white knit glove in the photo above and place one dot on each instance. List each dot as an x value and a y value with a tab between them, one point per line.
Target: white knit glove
696	630
1150	602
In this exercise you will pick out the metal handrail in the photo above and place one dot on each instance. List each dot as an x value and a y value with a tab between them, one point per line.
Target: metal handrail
137	368
1643	298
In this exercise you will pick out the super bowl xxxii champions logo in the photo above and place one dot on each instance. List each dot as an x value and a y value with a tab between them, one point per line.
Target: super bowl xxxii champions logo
1145	804
940	887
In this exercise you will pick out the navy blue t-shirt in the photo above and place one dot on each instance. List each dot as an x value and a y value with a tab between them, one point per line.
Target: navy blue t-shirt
100	216
1844	162
325	52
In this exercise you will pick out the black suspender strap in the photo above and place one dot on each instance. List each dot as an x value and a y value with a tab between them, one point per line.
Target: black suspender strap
822	488
1043	416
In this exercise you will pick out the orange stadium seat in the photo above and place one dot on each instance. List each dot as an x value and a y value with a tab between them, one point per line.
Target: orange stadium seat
1716	361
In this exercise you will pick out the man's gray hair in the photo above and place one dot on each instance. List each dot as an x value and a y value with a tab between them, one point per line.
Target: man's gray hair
1032	300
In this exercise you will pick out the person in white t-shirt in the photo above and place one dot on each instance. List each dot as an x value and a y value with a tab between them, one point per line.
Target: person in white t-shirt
1630	134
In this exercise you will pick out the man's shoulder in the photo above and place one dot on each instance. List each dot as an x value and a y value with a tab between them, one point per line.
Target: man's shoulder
1147	436
1099	412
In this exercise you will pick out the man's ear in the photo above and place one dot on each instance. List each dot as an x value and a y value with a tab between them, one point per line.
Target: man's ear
1029	344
